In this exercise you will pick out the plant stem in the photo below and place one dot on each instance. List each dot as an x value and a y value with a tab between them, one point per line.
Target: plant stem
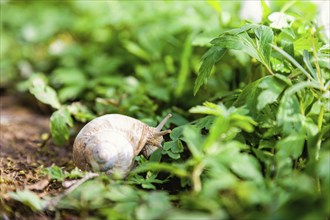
320	118
196	177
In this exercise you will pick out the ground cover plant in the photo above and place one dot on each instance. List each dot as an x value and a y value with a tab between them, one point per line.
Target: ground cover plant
250	103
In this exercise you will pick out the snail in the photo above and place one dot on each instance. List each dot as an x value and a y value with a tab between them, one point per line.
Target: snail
110	143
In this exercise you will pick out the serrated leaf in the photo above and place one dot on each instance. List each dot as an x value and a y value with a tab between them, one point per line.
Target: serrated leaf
259	49
207	108
43	93
243	122
237	39
265	36
59	125
55	172
75	173
213	55
240	41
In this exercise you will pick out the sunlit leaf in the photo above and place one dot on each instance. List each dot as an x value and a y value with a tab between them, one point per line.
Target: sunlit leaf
60	121
291	146
42	92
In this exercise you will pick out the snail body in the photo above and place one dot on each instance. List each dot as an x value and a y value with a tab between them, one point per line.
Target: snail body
110	142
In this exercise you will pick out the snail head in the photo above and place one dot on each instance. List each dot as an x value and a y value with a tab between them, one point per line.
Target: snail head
156	138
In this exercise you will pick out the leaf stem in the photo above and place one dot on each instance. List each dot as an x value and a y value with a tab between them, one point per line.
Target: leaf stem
292	60
318	70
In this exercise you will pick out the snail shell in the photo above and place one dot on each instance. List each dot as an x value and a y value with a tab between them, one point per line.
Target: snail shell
109	143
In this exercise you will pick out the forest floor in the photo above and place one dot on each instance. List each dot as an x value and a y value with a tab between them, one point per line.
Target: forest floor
25	150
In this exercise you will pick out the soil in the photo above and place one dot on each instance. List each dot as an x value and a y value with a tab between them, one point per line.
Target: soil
26	148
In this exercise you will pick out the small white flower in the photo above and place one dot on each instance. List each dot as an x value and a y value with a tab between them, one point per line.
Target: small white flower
280	20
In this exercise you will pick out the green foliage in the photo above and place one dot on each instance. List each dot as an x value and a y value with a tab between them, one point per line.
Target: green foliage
54	172
59	122
42	92
258	148
29	199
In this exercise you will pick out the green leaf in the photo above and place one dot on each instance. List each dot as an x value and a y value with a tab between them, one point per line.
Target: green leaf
176	133
155	206
122	193
244	122
272	88
137	50
259	49
29	199
174	146
249	98
69	76
173	149
55	172
213	55
308	64
291	146
184	66
247	167
303	43
265	36
288	47
240	41
293	61
42	92
208	108
220	126
59	125
69	92
73	174
193	139
265	10
237	39
288	115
